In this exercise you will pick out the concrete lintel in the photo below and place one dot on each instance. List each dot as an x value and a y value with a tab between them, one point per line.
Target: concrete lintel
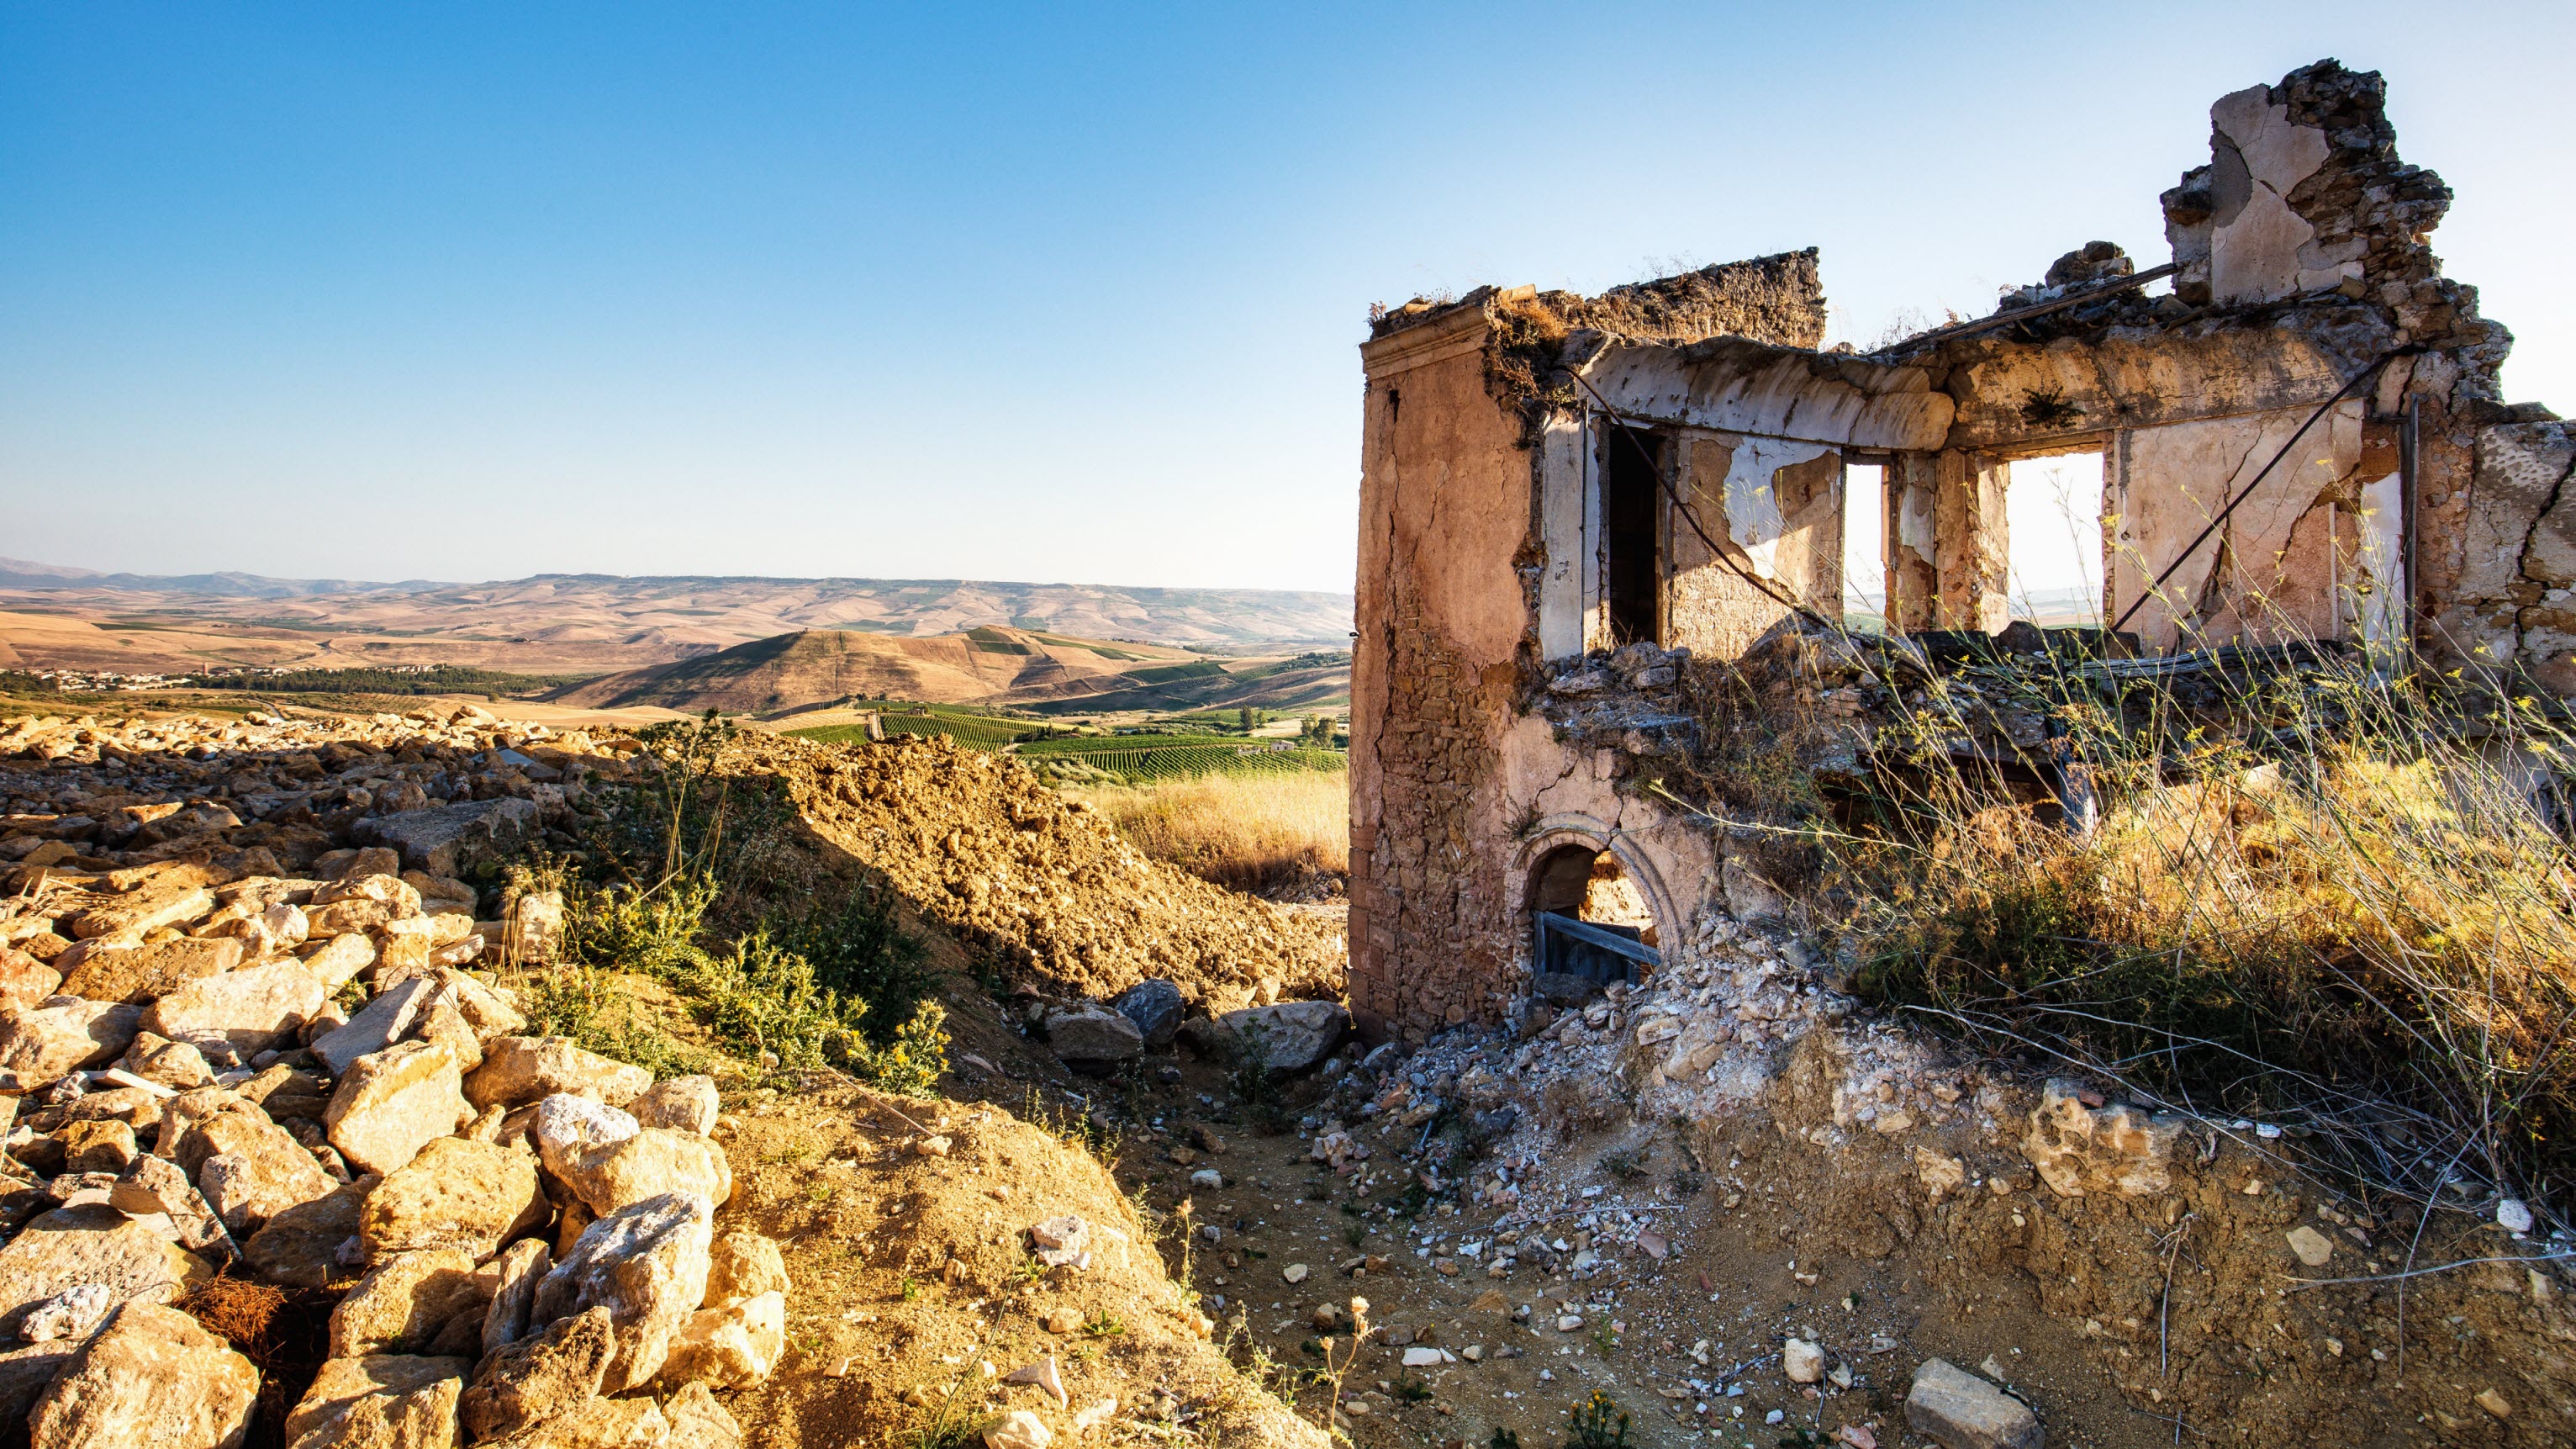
1459	333
1734	386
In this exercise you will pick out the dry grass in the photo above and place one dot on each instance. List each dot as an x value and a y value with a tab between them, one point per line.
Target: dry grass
1260	833
2339	917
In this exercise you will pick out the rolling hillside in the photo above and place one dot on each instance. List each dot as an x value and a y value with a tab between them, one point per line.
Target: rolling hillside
813	666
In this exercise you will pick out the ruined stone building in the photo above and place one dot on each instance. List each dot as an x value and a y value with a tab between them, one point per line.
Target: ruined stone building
1671	466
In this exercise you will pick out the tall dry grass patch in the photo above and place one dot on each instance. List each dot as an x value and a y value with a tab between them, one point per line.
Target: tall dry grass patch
1266	834
2349	912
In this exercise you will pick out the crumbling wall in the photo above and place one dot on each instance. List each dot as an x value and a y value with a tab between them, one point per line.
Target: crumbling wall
1444	613
2517	583
1776	299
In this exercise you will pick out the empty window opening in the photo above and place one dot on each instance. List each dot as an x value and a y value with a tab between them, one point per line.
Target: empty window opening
1589	918
1631	575
2053	527
1865	546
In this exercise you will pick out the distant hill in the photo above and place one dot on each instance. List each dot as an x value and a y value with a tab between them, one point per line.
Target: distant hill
1049	673
814	666
570	623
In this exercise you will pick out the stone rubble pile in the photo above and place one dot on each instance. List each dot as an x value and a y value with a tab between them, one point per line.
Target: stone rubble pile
210	1066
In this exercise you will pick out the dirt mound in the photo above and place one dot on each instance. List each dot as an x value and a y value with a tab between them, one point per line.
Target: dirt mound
1045	887
915	1276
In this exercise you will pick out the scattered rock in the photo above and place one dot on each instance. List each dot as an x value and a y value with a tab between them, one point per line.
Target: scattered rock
743	1264
91	1244
540	1377
383	1401
647	1164
1294	1273
300	1246
520	1268
1044	1375
1290	1036
151	1377
2114	1149
1155	1006
1802	1361
1961	1411
446	838
517	1070
402	1303
378	1024
240	1013
730	1345
699	1422
393	1103
1093	1037
2313	1248
1018	1429
453	1194
65	1034
145	974
647	1264
71	1314
682	1104
1062	1241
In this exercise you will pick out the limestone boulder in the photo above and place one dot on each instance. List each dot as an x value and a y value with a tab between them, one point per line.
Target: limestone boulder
177	1065
518	1271
453	1194
652	1162
444	839
698	1421
93	1243
443	1024
152	1377
393	1103
682	1104
312	1244
1958	1410
599	1424
731	1345
96	1146
158	1185
566	1128
382	1401
337	961
404	1302
1289	1036
1156	1008
540	1377
378	1025
743	1264
2117	1149
136	1107
1093	1037
145	974
27	1372
240	1013
146	908
647	1264
26	981
518	1070
250	1169
65	1034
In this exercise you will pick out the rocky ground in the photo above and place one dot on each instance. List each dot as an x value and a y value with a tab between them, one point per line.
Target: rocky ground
284	1157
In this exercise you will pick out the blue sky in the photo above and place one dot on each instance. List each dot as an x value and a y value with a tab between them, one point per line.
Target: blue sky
476	291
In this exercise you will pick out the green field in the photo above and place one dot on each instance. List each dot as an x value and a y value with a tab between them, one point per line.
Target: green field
1165	757
966	727
1133	758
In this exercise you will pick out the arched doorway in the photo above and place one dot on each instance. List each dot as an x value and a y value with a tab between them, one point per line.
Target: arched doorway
1588	917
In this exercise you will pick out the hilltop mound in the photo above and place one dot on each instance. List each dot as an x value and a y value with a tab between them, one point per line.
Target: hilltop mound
815	666
974	842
